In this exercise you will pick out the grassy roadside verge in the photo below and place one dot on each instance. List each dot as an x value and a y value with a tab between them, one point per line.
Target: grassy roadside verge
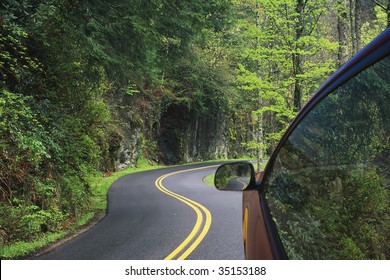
209	179
100	187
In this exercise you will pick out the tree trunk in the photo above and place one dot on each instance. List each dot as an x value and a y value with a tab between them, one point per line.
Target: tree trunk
352	25
297	83
358	23
342	28
259	132
296	57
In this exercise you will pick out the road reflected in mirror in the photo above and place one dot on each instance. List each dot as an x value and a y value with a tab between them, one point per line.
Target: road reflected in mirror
234	176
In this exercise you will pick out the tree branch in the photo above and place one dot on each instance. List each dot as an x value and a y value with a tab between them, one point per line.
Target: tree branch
379	4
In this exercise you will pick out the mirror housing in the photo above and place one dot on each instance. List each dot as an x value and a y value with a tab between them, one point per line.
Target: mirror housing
235	176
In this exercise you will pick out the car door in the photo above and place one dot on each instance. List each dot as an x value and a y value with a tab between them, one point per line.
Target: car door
326	190
325	193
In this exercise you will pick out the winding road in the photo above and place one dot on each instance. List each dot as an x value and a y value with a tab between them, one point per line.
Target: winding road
163	214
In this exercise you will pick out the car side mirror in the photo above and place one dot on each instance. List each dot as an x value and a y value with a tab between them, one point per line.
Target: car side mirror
236	176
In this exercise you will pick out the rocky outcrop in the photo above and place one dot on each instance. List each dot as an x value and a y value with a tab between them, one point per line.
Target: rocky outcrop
130	149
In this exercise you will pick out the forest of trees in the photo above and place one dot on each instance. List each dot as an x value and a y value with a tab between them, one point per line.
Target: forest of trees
90	86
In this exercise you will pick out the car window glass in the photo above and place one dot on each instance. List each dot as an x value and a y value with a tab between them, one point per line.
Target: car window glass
328	191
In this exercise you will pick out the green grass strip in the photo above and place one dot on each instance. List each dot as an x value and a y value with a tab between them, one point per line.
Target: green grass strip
100	187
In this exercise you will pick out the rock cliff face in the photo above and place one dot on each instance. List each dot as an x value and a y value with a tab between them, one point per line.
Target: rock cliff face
177	136
187	136
207	138
129	149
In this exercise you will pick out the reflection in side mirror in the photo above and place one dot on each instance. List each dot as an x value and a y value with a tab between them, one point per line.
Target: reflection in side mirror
236	176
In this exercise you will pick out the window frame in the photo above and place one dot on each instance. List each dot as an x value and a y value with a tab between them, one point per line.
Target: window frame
378	49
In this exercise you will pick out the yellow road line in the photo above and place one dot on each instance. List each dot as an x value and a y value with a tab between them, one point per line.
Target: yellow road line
244	184
197	207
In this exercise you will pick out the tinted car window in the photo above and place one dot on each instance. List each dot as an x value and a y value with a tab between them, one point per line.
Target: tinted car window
328	191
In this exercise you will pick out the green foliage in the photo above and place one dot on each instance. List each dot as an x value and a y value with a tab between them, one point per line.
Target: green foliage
63	66
372	29
16	65
281	64
329	191
23	222
54	123
191	79
21	129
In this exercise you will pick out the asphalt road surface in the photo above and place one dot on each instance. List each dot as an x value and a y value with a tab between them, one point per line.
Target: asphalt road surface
163	214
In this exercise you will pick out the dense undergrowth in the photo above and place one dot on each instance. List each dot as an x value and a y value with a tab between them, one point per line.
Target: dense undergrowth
97	204
84	82
74	77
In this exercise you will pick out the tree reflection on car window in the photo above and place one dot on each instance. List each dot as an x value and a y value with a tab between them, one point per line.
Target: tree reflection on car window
328	192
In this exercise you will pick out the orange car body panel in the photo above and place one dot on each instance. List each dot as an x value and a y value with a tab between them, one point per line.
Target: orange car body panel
255	237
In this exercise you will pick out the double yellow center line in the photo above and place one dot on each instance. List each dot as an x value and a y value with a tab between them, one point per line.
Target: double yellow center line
203	218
